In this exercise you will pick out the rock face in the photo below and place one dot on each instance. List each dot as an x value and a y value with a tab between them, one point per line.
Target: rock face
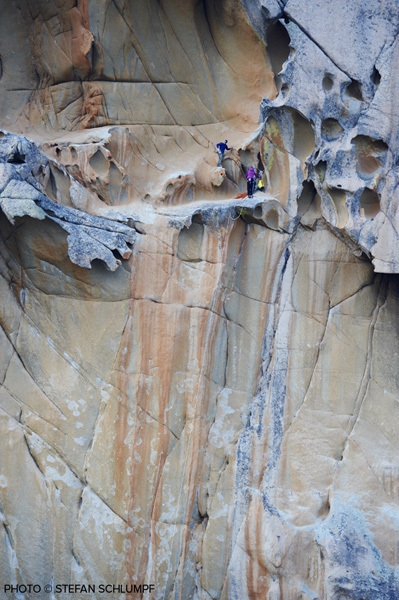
199	390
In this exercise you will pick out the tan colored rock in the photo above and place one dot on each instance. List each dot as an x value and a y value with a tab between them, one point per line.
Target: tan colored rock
217	415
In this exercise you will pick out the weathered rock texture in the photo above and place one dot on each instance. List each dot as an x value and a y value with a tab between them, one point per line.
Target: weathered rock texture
199	390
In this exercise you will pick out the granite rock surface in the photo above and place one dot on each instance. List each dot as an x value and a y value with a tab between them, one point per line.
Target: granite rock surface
199	390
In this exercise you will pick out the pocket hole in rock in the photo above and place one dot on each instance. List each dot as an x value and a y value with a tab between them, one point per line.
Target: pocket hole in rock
376	76
278	49
258	211
339	200
99	163
331	129
369	203
308	197
321	169
272	219
327	83
354	90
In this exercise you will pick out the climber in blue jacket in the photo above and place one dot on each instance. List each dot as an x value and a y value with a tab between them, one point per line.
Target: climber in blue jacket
221	148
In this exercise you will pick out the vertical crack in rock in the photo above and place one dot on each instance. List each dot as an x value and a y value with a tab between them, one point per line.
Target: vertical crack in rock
270	396
25	437
13	566
363	388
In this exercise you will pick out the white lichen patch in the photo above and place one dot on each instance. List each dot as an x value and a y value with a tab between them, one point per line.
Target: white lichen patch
77	408
223	431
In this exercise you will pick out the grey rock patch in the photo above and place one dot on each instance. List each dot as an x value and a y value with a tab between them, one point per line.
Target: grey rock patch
89	237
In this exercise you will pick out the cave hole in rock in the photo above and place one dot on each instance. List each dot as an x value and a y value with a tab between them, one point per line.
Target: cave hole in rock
370	153
16	158
286	123
99	163
354	91
321	169
189	245
369	203
376	76
246	158
198	218
331	129
370	144
327	83
272	219
278	49
309	198
304	138
258	211
339	200
260	163
285	88
117	254
74	154
374	145
58	186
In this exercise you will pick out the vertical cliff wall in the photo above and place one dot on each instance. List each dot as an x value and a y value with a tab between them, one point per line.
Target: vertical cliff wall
198	390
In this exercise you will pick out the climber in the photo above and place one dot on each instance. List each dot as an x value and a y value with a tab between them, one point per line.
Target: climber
221	149
259	182
251	180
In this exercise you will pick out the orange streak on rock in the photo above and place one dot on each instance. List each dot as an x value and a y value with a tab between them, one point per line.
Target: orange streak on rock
164	370
258	576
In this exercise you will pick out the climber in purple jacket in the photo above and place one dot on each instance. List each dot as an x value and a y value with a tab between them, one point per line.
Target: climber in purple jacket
251	179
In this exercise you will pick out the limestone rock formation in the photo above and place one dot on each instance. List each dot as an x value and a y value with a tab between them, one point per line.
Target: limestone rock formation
199	390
